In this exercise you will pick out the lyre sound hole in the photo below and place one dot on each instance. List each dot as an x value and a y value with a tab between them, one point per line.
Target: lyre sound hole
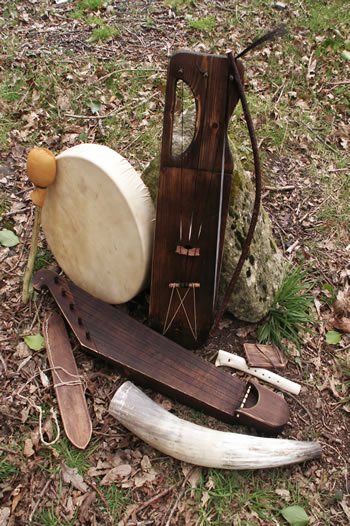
184	122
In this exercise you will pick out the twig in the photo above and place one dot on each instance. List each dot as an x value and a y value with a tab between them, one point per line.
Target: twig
339	83
31	258
102	497
302	405
318	137
180	495
42	492
14	212
152	500
280	188
127	69
4	364
8	450
118	110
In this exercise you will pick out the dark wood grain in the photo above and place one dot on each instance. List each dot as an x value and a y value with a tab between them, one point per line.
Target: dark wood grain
157	362
189	195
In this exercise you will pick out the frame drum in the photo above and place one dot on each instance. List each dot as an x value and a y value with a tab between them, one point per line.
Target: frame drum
98	219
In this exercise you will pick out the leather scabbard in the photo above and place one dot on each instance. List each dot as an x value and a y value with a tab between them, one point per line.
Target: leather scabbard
67	382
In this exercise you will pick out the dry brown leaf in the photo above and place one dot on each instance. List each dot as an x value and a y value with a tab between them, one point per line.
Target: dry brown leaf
44	378
205	498
167	405
342	324
28	449
146	463
4	516
87	500
243	332
71	476
116	474
194	478
149	476
63	103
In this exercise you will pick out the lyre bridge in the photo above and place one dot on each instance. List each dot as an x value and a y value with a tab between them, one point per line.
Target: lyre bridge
184	285
187	250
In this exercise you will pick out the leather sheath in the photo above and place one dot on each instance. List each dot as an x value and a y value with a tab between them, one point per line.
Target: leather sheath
67	382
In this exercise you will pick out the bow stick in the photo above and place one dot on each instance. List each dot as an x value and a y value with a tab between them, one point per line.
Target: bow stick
271	35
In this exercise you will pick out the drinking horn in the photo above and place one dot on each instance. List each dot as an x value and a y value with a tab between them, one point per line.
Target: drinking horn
200	445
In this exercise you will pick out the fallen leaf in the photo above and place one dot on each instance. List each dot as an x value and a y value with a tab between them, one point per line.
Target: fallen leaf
85	506
71	476
15	501
44	378
28	450
35	342
243	332
4	515
205	498
116	474
149	476
8	238
333	337
342	324
146	463
295	515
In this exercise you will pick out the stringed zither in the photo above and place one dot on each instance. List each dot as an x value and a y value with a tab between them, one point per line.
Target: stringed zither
193	198
155	361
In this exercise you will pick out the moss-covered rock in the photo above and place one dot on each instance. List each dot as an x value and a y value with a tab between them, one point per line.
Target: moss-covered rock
263	270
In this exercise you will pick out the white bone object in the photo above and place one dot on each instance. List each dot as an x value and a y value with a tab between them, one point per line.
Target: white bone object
200	445
236	362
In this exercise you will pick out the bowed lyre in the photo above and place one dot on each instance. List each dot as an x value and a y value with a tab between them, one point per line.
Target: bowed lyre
193	200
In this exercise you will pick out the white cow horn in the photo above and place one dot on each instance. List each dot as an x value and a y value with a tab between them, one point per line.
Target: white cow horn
200	445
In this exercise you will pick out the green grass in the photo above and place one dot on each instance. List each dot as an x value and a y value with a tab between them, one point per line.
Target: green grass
73	457
104	33
290	313
222	495
52	517
283	99
206	24
7	470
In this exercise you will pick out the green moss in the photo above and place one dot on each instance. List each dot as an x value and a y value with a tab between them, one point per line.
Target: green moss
240	237
150	177
273	245
237	185
251	259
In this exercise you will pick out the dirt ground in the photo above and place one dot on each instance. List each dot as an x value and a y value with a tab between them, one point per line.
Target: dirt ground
316	414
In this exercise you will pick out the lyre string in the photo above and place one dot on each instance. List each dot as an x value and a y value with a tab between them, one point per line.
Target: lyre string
188	264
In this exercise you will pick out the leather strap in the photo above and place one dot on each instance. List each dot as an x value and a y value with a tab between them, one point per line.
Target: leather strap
67	382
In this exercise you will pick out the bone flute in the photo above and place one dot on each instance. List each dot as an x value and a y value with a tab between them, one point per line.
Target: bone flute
199	445
236	362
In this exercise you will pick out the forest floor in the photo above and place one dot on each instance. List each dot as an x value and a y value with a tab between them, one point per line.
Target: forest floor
94	71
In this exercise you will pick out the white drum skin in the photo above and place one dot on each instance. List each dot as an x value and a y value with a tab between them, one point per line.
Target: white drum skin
98	219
